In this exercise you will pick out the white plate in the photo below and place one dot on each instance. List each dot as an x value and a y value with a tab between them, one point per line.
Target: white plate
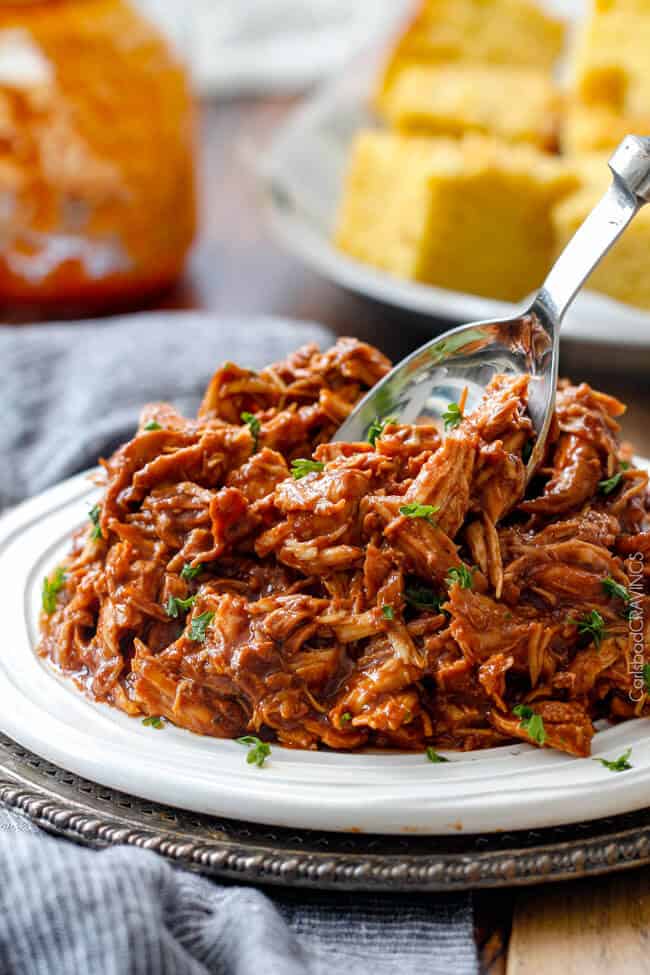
512	787
302	175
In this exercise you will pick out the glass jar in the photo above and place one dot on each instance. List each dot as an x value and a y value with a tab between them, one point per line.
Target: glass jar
97	201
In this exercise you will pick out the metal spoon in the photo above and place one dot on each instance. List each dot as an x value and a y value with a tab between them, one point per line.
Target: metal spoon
424	384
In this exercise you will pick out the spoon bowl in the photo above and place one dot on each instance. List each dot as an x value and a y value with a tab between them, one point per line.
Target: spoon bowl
462	361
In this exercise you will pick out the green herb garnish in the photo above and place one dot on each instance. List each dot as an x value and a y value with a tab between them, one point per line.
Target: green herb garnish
190	571
153	721
199	625
258	751
415	510
460	574
611	483
645	670
434	757
51	588
531	723
592	625
254	426
301	467
616	590
422	598
176	606
152	425
452	416
376	428
345	717
620	764
95	514
388	612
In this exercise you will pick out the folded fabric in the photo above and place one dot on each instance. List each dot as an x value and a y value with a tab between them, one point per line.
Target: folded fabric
68	394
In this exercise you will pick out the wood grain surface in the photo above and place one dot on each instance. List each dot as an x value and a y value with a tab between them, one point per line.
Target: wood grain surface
599	926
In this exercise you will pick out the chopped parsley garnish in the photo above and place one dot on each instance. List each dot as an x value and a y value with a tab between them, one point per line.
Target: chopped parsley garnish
415	510
51	588
620	764
460	574
258	751
345	717
388	612
452	416
531	723
422	598
376	428
592	625
153	721
616	590
254	426
152	425
301	467
434	757
190	571
95	514
199	625
645	670
176	606
611	483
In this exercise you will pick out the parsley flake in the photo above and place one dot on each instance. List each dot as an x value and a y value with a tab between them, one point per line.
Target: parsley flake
95	514
301	467
345	717
388	612
616	590
434	757
376	428
460	574
592	625
645	670
620	764
153	721
51	588
421	598
531	723
176	606
258	751
254	426
152	425
199	625
190	571
452	416
415	510
611	483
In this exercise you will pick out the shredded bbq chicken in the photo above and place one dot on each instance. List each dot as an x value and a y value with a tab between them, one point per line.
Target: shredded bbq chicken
399	594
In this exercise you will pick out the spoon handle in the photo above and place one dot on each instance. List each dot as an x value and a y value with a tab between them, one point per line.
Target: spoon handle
630	189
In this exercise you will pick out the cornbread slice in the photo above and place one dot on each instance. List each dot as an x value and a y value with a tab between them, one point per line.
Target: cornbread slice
472	215
516	104
611	76
478	31
623	273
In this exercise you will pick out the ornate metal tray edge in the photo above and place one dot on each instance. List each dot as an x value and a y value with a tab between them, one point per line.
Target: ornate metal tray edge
72	807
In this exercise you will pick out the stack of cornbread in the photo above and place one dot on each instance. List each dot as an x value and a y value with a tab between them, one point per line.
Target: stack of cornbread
483	165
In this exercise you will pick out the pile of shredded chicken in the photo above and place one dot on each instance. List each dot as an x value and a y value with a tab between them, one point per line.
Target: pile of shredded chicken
402	594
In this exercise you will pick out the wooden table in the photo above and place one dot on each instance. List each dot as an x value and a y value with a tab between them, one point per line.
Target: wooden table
581	928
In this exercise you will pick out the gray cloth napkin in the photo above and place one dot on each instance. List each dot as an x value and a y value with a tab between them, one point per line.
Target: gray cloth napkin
69	393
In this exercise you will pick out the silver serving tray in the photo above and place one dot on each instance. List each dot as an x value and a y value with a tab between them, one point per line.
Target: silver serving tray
67	805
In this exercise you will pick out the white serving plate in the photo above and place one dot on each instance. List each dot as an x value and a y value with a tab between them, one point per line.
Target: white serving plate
302	174
512	787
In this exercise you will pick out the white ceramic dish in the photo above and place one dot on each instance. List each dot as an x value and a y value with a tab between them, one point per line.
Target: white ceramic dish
302	175
513	787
